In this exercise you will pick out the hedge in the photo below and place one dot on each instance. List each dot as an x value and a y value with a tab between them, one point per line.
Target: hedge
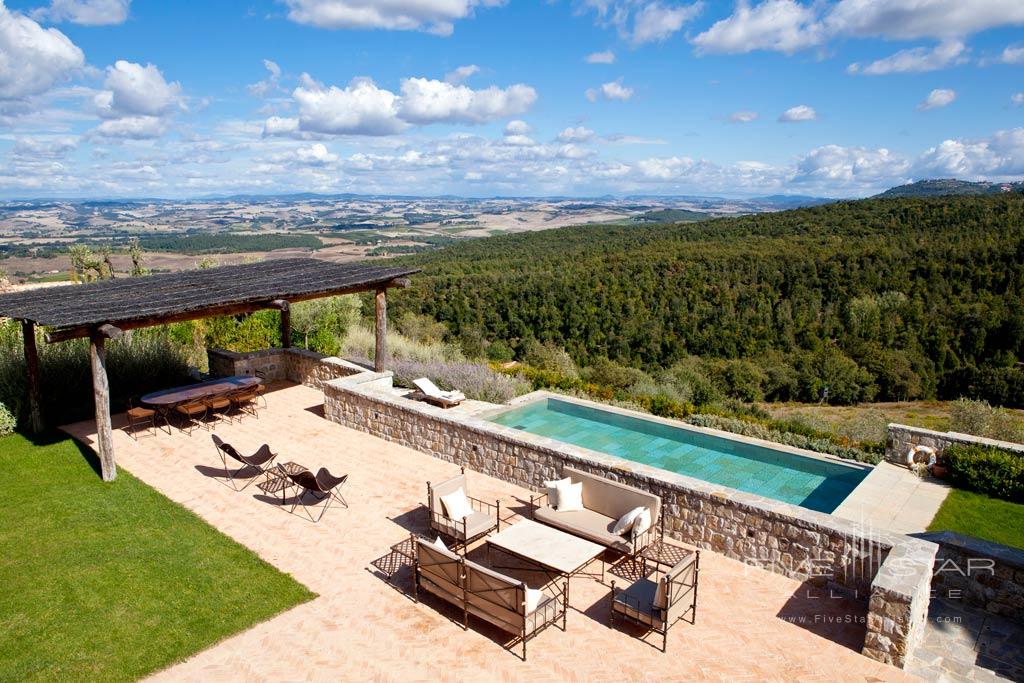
994	472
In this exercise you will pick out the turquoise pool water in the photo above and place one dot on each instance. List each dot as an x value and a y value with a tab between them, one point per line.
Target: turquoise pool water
808	482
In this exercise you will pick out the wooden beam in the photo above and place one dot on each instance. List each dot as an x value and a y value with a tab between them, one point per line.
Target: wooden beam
101	398
400	282
286	322
109	331
79	331
381	348
35	403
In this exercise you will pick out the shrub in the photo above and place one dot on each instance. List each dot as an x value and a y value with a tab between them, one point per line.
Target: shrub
7	421
142	361
981	419
549	357
991	471
360	342
476	381
499	352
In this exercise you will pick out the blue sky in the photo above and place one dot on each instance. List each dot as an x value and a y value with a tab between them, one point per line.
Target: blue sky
112	98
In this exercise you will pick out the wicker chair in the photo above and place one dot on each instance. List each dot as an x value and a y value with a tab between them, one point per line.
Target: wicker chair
194	414
139	416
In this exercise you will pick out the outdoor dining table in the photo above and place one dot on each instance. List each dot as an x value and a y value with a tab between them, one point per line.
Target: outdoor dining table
168	398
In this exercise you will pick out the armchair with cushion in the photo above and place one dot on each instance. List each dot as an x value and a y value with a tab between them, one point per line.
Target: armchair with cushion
659	601
456	515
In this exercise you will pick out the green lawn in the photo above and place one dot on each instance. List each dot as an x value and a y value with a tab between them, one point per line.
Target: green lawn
113	581
975	514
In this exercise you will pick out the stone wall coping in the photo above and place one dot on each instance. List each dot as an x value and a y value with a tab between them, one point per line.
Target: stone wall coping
976	547
958	437
810	519
542	394
901	573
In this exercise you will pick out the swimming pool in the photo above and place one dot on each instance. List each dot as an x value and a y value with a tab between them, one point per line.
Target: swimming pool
813	483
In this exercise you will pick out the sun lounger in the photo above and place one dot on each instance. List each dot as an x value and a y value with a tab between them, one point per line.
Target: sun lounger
433	394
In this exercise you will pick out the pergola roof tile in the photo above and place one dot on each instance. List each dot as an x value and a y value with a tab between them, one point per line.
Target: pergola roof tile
150	298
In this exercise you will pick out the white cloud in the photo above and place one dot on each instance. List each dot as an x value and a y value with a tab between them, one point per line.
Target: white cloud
800	112
911	19
780	25
1013	54
576	134
743	116
938	98
33	59
460	74
606	57
517	127
315	155
268	85
133	90
849	167
132	127
613	90
790	25
435	16
360	108
916	59
1000	156
656	22
364	108
1017	99
86	12
430	101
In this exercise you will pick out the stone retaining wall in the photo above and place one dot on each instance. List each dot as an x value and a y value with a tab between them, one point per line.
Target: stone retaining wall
889	571
901	438
980	573
296	365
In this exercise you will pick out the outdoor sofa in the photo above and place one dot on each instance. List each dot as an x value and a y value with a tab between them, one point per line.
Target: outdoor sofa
604	503
484	593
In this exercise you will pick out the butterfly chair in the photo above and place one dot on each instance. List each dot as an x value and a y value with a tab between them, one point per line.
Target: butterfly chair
260	461
323	486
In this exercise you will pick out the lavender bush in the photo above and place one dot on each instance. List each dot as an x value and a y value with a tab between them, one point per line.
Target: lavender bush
476	381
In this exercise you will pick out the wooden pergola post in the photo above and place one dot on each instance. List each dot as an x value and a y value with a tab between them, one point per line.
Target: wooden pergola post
101	398
286	322
35	402
381	348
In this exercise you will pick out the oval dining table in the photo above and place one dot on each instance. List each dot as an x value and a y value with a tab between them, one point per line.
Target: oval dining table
197	392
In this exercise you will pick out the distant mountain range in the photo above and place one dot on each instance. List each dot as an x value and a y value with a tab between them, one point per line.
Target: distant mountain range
942	187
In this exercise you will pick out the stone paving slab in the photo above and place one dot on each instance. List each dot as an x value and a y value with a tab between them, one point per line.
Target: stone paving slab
894	498
751	624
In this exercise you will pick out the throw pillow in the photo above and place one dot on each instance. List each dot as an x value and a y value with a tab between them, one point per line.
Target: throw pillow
533	598
552	487
659	595
642	523
457	505
570	497
625	522
440	544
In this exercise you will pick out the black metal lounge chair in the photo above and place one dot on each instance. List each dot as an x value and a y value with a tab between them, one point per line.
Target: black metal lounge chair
260	461
323	486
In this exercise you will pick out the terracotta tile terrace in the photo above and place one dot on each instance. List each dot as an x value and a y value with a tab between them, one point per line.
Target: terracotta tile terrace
751	624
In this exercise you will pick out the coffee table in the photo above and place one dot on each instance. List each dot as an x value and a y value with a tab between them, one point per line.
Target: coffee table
277	478
555	553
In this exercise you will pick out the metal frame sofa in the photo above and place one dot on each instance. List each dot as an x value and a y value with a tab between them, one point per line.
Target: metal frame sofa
660	601
604	502
484	593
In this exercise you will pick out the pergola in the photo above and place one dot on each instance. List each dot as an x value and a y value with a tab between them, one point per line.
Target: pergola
106	309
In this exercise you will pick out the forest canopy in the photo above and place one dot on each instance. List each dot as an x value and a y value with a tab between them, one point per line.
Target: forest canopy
881	299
